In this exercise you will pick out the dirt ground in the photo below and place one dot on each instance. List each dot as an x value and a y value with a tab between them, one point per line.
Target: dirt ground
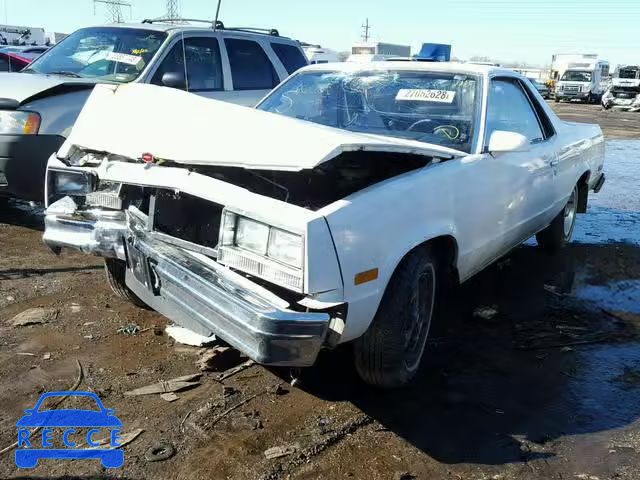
544	384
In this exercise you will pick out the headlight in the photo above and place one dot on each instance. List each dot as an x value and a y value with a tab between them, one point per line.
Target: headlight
285	247
70	182
252	235
19	123
261	250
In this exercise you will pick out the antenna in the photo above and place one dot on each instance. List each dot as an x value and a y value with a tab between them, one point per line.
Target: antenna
173	11
114	10
365	31
215	21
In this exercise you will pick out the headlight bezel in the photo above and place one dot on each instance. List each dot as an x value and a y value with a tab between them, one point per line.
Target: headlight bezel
269	267
87	179
30	120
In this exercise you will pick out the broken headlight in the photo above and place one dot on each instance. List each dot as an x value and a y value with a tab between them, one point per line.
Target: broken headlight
71	182
261	250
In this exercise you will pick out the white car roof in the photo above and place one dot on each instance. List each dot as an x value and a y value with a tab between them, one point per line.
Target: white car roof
453	67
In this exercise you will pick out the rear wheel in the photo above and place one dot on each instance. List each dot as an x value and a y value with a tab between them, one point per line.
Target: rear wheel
115	270
390	351
559	232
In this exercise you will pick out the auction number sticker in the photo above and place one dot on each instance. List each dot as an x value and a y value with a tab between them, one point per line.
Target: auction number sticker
424	95
124	58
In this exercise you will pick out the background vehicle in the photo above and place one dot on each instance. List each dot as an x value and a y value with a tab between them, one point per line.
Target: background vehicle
540	87
580	80
11	62
43	101
624	91
376	51
317	54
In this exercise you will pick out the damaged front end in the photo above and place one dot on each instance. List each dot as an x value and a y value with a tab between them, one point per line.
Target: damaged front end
192	254
623	97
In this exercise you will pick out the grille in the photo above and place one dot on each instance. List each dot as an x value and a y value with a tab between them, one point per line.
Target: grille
187	217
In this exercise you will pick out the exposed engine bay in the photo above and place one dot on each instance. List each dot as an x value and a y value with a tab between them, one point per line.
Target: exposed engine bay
313	189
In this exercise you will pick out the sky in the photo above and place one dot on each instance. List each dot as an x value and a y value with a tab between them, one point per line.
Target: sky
508	30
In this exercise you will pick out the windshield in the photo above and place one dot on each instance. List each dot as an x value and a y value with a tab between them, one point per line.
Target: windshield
425	106
576	76
110	54
629	73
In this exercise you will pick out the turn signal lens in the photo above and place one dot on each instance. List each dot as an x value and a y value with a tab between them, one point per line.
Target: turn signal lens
32	124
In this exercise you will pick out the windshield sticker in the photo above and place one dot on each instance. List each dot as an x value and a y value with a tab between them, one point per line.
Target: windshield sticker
424	95
124	58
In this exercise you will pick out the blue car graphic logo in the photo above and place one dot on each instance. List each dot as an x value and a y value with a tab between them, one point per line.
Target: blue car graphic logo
29	451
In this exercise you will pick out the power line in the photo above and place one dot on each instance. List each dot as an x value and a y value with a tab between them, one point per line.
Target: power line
114	9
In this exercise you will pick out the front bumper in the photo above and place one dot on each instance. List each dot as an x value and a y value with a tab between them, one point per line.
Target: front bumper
23	164
572	95
191	289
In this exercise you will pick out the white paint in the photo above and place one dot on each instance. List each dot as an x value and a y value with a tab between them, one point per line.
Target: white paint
188	337
425	95
486	203
124	58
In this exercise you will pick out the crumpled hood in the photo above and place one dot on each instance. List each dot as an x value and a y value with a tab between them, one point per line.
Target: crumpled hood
24	86
130	120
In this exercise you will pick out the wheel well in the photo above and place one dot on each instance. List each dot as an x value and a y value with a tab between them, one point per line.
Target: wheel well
445	248
583	192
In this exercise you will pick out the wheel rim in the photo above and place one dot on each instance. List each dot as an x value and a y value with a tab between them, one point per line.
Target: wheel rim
570	214
416	328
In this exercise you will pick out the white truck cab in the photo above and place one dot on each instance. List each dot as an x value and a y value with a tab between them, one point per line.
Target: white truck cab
582	81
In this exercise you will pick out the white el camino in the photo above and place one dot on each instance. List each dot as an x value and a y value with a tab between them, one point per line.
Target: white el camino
337	211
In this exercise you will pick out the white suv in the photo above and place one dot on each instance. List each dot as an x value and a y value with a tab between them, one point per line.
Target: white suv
41	103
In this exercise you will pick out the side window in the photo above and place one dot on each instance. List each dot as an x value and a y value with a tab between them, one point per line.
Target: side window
509	109
204	69
290	56
251	68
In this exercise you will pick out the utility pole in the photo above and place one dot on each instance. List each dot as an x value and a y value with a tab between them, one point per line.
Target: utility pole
365	31
114	10
173	10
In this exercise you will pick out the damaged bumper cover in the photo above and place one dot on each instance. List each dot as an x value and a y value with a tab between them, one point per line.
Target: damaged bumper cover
191	289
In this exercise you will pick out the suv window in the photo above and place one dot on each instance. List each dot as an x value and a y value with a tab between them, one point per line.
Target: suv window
251	68
290	56
204	68
509	109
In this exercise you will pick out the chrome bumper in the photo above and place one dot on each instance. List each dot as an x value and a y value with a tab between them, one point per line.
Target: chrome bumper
194	291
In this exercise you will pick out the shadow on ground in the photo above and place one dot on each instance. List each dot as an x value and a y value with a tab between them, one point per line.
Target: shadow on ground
501	390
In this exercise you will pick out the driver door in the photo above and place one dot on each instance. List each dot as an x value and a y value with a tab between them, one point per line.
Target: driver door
526	176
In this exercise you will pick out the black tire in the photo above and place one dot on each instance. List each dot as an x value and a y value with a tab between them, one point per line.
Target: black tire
389	353
115	270
559	232
556	99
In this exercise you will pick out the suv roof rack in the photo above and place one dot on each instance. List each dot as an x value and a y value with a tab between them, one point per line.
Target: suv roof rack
217	25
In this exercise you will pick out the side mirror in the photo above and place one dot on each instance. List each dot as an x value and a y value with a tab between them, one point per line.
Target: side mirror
174	80
503	141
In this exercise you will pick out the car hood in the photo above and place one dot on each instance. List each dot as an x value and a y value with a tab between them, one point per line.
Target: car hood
23	87
69	418
172	125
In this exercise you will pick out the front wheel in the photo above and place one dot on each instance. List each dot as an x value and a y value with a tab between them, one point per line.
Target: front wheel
389	353
116	270
559	232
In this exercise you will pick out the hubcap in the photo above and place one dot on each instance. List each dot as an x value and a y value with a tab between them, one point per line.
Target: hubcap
570	214
416	327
